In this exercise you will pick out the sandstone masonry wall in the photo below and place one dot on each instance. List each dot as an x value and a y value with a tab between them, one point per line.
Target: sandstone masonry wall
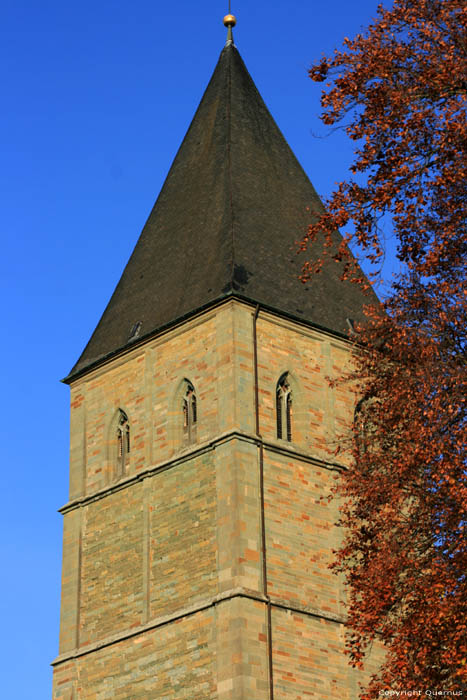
164	593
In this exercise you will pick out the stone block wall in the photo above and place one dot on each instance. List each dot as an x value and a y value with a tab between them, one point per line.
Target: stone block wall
111	591
167	591
182	544
308	660
300	534
173	661
321	413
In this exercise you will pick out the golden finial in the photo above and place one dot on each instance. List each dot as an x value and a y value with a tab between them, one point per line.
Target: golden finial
229	22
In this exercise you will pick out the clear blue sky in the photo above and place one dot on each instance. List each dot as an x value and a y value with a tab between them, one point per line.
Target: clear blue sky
96	98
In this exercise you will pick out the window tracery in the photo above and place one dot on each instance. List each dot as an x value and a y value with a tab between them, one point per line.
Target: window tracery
123	440
190	413
364	424
284	408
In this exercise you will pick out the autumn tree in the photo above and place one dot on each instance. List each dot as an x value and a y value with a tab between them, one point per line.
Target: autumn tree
399	91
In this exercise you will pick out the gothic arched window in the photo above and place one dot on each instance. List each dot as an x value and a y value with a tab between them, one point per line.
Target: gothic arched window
190	413
284	408
365	424
123	440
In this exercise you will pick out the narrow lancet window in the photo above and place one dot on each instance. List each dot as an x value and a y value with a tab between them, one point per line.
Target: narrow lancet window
190	413
289	416
279	411
123	441
364	425
284	409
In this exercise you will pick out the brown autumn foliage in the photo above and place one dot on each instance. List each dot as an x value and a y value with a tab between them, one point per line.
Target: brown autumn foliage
399	90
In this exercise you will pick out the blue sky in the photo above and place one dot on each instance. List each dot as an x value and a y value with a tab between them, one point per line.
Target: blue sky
96	100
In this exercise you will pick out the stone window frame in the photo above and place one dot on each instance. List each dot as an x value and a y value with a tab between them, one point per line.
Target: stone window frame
182	430
364	430
189	413
119	444
286	407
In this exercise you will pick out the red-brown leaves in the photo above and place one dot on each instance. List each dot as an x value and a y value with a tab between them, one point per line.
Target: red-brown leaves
404	85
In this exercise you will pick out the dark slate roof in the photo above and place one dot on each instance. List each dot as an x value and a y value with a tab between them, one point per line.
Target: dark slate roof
225	223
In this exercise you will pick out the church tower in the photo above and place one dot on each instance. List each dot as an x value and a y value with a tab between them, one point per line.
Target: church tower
196	541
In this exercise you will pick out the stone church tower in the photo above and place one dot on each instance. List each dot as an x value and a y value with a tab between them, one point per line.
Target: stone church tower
196	542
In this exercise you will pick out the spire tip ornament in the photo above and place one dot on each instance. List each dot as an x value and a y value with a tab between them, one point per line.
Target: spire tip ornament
229	22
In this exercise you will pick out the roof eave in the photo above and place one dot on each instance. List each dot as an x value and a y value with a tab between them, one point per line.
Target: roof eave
73	376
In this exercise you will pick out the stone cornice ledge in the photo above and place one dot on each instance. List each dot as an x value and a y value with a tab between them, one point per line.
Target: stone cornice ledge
195	451
201	605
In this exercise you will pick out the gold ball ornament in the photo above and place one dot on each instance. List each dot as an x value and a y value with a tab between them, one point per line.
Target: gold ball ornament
230	21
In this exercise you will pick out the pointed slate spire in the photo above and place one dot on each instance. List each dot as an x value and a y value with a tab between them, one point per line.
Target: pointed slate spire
225	224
